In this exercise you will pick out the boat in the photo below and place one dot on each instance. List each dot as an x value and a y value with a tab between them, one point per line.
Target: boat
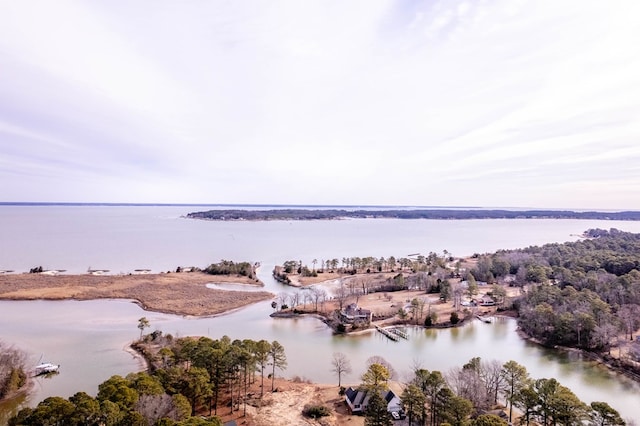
484	319
45	368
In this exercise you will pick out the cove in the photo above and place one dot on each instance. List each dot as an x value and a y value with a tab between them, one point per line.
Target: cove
89	340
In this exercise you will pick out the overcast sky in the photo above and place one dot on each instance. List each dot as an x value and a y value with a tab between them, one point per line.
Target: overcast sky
435	103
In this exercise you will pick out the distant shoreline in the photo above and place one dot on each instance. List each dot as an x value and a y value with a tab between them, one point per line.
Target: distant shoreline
437	214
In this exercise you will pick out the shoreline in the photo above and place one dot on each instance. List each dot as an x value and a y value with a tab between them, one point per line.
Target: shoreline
608	361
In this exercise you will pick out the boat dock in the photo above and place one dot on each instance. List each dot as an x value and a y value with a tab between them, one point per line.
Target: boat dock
387	333
399	332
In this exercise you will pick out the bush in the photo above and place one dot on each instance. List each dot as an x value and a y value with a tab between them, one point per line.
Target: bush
341	328
12	369
316	411
454	318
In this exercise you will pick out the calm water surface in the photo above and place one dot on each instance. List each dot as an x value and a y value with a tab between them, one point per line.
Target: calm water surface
89	339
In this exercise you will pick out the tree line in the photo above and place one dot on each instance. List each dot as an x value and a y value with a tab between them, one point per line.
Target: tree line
229	267
330	214
187	378
464	396
583	294
368	264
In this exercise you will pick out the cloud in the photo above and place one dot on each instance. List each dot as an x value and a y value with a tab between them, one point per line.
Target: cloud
366	102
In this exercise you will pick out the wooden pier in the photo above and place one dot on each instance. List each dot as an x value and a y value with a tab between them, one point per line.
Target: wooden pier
387	333
399	332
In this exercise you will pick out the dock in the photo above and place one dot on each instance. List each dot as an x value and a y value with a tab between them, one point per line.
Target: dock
399	332
387	333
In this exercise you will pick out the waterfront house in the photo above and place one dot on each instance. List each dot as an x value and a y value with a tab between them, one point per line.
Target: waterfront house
486	300
358	399
353	313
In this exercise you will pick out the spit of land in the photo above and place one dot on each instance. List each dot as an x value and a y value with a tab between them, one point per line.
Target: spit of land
182	293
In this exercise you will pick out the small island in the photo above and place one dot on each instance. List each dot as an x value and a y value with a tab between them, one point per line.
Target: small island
440	214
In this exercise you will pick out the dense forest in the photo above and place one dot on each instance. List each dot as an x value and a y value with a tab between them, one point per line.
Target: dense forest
322	214
584	294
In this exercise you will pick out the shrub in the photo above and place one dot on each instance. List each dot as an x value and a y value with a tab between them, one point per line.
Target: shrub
316	411
454	318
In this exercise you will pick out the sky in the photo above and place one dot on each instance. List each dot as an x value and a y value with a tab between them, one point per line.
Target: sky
505	103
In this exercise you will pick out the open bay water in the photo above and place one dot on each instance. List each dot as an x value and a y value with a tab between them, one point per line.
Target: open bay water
89	339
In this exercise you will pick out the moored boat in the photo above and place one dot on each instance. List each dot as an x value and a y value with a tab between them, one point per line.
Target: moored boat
45	368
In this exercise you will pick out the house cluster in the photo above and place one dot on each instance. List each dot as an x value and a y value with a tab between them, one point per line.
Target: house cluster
352	313
358	399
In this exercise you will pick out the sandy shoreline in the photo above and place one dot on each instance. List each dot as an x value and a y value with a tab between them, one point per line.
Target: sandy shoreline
184	293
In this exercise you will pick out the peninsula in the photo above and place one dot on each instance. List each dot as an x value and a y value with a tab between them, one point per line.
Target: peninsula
332	214
181	293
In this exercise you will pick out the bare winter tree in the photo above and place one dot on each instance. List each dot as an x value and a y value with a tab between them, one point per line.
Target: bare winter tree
294	299
306	298
467	382
282	299
628	315
155	407
340	365
491	374
342	293
317	296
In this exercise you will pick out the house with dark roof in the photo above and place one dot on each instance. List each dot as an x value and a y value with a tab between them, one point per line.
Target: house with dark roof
487	300
358	399
353	313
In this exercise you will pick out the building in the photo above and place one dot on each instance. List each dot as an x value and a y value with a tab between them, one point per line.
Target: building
353	313
486	300
358	399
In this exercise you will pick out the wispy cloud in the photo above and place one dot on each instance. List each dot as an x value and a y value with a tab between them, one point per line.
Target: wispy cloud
444	102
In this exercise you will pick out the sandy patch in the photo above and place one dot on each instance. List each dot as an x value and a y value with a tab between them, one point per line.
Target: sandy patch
285	406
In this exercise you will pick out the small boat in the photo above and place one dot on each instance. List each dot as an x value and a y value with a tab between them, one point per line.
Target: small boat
45	368
484	319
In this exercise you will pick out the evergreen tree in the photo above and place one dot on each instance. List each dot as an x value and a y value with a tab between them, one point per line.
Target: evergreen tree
413	400
376	413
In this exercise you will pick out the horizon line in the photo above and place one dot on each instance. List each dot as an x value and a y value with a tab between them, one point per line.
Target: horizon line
364	206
